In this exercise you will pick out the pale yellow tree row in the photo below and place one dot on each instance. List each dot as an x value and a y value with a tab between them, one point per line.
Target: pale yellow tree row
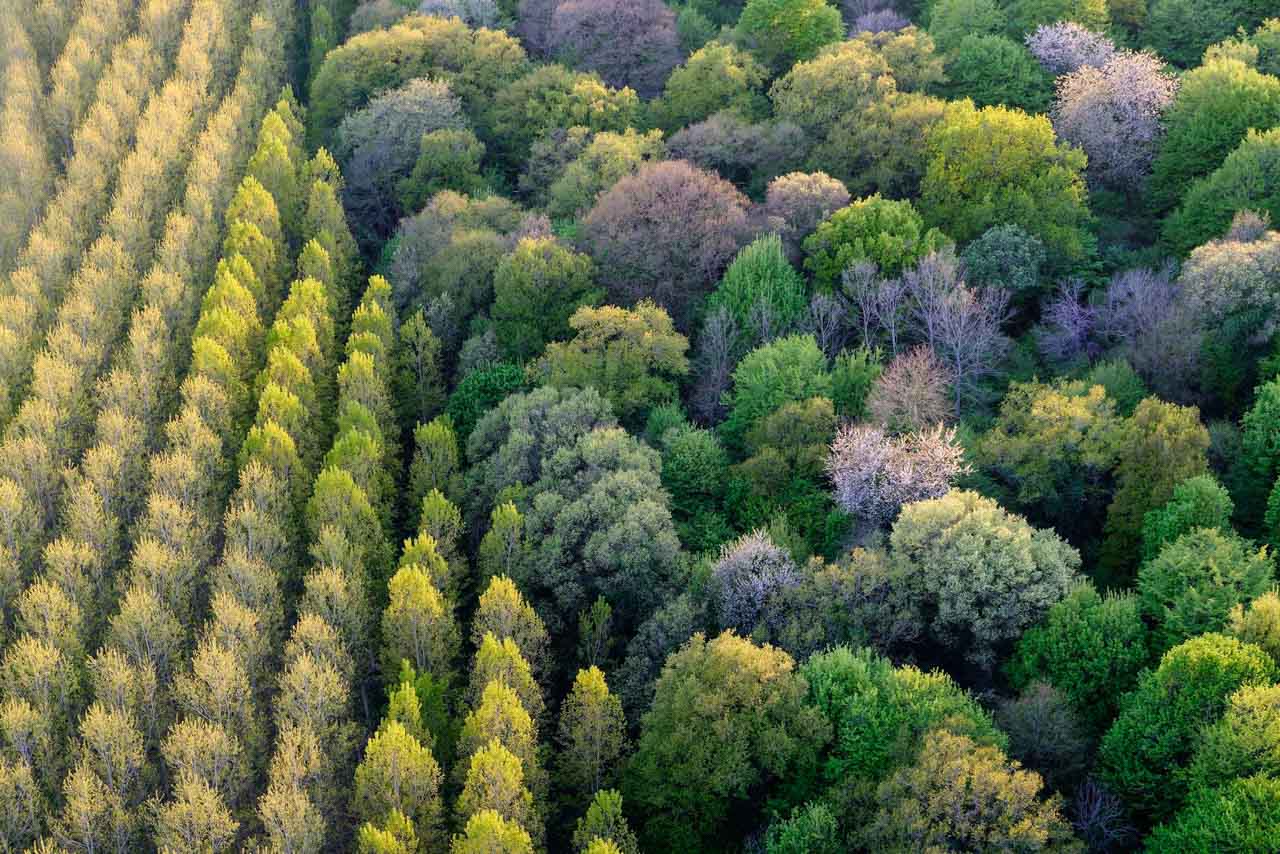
328	651
64	612
49	23
73	219
26	175
107	490
224	697
73	79
53	424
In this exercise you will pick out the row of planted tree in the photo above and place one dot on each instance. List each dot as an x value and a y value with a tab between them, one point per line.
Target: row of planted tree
109	304
137	507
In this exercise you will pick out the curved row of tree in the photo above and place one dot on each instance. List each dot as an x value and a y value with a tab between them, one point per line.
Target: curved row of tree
126	144
73	80
66	612
834	341
26	174
728	369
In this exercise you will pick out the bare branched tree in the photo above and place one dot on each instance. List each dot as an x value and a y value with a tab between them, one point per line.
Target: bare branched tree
826	322
714	363
1137	301
929	286
1101	819
1069	325
912	393
858	285
972	341
875	474
962	325
878	303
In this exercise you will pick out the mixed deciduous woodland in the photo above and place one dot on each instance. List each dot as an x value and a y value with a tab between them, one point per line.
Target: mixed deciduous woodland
620	426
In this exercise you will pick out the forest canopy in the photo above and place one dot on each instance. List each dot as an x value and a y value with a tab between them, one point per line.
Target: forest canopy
621	426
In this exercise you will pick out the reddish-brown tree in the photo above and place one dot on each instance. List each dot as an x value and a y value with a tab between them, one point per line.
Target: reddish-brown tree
627	42
666	233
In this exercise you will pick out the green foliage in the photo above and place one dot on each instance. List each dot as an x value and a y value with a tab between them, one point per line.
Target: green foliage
997	165
1158	447
592	736
1193	583
950	21
447	160
398	773
889	234
1180	30
694	28
1258	623
782	478
476	62
1121	382
418	624
632	357
479	392
536	289
462	270
1198	502
488	832
880	147
1006	257
500	660
967	796
787	370
792	441
1260	437
852	376
982	576
1245	742
1025	15
879	716
1144	755
599	526
419	380
510	444
1243	815
604	820
603	846
784	32
661	420
992	70
562	514
1090	647
503	611
607	159
910	54
437	461
398	837
718	12
550	97
1231	344
1267	41
324	37
816	95
1215	107
502	549
810	829
1249	179
694	473
761	289
728	720
716	77
498	715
